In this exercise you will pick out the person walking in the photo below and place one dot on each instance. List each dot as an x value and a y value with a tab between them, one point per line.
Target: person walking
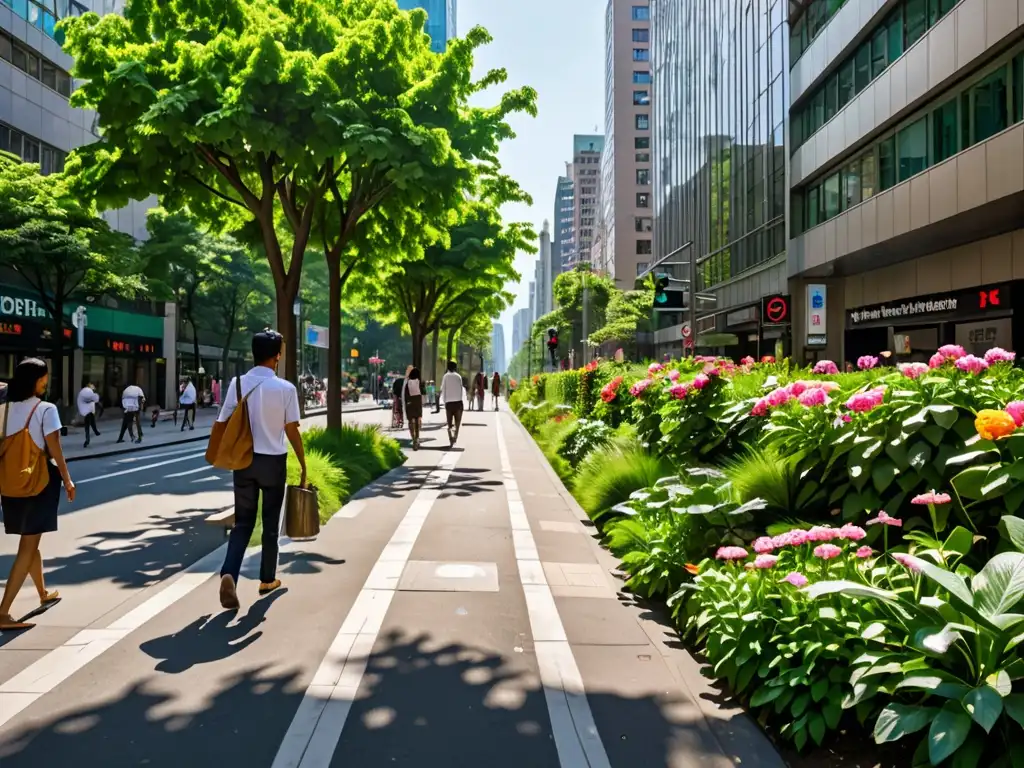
481	390
273	406
187	401
496	388
452	389
397	409
431	395
414	406
31	434
133	400
87	399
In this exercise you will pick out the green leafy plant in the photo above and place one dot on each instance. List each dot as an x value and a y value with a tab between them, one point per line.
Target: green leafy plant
584	438
610	474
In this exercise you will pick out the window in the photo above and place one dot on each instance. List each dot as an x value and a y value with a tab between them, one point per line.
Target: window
643	199
643	122
641	54
641	35
831	97
894	30
643	247
813	207
643	177
846	91
1018	88
641	267
887	163
830	195
49	75
869	184
915	14
19	58
642	142
643	223
643	157
945	126
912	148
862	68
641	98
988	112
30	150
879	53
5	48
641	13
852	184
641	78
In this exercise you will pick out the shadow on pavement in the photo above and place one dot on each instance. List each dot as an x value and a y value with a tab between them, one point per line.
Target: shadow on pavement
304	562
422	702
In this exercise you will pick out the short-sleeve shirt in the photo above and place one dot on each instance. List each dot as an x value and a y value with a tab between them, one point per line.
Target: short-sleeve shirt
273	403
87	400
45	421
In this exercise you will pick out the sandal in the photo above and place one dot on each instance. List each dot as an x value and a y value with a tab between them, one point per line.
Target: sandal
52	598
269	586
8	624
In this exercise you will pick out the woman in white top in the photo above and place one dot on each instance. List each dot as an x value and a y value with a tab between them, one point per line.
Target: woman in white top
33	516
413	393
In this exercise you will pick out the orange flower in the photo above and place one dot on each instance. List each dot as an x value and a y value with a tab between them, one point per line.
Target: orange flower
992	425
692	569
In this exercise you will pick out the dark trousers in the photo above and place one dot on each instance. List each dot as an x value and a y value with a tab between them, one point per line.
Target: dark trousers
130	418
190	410
266	474
90	424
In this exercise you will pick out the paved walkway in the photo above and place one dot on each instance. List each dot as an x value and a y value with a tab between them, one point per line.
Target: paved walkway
458	614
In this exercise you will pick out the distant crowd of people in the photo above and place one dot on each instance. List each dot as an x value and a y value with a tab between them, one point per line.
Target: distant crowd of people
408	393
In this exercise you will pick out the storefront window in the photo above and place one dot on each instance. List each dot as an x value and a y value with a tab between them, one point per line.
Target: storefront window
912	145
887	163
945	126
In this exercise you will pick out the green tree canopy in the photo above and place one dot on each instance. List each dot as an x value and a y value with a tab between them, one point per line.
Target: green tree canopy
628	312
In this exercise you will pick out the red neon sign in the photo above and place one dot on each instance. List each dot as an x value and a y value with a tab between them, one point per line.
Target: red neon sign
988	298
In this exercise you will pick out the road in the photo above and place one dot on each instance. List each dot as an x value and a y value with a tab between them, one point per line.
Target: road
458	613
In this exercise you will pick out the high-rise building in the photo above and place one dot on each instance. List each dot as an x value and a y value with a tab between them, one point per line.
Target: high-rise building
440	20
563	242
498	347
521	327
547	270
626	222
533	301
586	169
719	186
906	177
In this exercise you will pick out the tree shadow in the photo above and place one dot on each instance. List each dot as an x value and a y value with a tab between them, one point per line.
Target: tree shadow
304	562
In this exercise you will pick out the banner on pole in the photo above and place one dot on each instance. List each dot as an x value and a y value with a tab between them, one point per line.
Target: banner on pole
317	336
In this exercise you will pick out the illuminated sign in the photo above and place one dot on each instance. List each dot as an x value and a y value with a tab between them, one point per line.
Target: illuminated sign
775	309
11	329
131	347
990	298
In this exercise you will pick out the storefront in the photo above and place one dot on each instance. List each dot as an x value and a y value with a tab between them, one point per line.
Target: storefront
112	361
758	329
912	329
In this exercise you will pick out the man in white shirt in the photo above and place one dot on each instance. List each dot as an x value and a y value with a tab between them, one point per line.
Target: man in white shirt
187	400
452	389
132	401
87	400
274	419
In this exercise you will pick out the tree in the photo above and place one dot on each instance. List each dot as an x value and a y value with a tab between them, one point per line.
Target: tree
238	295
296	119
55	241
628	312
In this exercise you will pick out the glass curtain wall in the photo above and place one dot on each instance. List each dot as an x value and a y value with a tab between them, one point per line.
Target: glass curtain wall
719	111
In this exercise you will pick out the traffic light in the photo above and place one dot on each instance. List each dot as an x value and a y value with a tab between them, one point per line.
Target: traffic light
552	344
660	289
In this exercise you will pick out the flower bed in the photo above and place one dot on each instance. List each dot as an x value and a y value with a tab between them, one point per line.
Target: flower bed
843	547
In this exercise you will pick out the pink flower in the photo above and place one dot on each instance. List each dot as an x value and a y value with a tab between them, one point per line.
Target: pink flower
678	391
796	388
907	561
999	355
827	551
913	370
711	370
885	519
1016	410
763	545
638	389
794	538
796	579
822	533
748	360
863	402
760	408
765	561
936	361
813	397
932	498
731	553
826	367
863	552
654	368
701	381
673	375
952	351
971	364
778	397
852	532
867	362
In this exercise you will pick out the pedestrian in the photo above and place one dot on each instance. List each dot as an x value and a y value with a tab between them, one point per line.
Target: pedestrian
87	399
496	388
273	406
187	400
32	469
397	409
452	388
432	395
414	406
216	392
481	390
133	400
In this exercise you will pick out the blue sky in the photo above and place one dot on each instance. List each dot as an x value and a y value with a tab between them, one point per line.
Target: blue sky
557	47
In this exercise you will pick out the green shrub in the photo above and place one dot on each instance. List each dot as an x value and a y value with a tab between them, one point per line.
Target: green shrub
610	474
363	451
584	438
332	486
761	473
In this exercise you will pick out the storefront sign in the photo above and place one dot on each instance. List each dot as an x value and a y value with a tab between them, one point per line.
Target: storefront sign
973	301
775	309
136	346
19	307
817	307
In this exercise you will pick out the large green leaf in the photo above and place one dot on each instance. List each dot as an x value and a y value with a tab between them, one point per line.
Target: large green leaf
969	483
883	472
850	589
899	720
1014	706
1012	529
920	453
984	705
948	731
1000	585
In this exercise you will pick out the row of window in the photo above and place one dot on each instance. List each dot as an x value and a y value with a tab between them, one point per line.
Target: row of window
49	159
48	73
641	54
643	122
643	248
641	13
643	223
44	14
641	98
807	27
643	177
641	78
641	35
980	111
903	27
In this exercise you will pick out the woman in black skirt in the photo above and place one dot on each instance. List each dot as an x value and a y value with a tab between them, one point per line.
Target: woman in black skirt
414	405
31	517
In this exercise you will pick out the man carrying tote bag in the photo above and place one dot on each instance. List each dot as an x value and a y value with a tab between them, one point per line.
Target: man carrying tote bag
258	420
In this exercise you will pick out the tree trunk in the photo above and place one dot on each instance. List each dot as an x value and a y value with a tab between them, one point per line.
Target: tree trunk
334	346
285	297
433	355
450	345
57	364
418	337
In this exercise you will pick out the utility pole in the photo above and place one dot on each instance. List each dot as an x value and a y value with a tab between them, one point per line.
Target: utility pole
586	301
692	309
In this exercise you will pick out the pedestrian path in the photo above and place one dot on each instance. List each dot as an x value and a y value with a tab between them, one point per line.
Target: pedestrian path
457	613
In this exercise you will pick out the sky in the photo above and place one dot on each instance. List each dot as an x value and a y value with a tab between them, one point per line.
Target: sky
557	47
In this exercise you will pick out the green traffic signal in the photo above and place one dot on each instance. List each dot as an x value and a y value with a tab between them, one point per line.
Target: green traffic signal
660	286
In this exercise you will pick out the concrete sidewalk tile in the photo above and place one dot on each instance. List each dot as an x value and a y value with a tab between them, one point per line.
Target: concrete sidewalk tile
596	621
434	576
13	661
559	526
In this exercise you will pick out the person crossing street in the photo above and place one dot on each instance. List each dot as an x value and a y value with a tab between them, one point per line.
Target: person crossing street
133	400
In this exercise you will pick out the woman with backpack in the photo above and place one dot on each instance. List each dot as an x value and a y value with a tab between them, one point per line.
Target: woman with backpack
413	395
32	470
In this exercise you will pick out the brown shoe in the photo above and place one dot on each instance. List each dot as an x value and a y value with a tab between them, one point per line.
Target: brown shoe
228	596
267	587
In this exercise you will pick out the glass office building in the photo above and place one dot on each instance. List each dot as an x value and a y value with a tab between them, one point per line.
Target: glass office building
719	173
440	20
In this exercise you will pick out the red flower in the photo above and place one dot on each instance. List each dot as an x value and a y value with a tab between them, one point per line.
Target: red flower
611	390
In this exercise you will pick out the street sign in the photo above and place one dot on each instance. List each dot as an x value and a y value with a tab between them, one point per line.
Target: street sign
687	330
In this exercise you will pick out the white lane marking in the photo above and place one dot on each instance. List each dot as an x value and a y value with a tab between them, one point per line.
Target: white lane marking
58	665
146	485
572	723
144	455
316	728
204	468
139	469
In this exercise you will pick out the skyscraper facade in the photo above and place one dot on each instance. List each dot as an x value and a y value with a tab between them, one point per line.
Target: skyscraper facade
547	271
562	241
586	165
440	20
498	347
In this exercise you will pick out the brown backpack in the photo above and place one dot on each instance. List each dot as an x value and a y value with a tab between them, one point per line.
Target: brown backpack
231	441
23	471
